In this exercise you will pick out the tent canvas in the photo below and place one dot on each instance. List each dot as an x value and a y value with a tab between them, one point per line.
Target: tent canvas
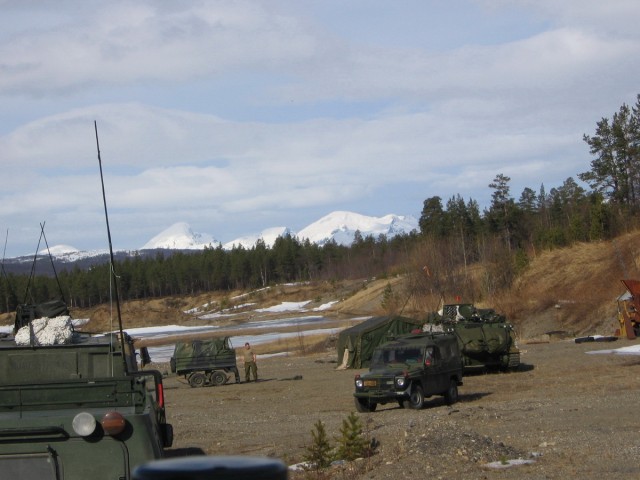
356	344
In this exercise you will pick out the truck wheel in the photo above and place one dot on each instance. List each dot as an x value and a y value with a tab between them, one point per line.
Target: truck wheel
451	395
363	405
197	379
416	400
218	378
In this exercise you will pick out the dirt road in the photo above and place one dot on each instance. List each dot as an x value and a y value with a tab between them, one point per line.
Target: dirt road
572	414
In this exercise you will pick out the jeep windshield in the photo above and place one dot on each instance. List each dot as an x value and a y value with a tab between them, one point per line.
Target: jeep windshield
393	356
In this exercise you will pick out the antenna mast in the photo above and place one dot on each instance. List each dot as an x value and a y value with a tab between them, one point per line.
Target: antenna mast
114	277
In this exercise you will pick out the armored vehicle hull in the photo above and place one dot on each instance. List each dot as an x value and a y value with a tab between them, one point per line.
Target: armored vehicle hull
485	338
409	370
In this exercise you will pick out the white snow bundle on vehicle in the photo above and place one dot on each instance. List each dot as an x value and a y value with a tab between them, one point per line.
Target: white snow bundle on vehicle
46	331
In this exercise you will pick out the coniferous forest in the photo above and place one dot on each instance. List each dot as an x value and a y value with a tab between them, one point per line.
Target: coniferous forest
453	235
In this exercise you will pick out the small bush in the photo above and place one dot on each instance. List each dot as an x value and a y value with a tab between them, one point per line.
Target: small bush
319	453
351	442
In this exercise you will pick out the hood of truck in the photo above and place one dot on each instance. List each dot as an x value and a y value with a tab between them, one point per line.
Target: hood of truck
385	372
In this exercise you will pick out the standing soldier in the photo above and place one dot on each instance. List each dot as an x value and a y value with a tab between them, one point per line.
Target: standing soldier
250	365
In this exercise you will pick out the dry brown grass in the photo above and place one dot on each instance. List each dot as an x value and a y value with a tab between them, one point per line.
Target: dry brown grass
581	282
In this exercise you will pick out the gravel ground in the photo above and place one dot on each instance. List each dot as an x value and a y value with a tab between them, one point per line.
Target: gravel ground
563	414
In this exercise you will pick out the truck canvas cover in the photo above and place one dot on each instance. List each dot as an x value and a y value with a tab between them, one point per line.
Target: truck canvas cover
201	354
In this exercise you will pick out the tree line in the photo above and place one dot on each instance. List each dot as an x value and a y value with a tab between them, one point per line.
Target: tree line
453	235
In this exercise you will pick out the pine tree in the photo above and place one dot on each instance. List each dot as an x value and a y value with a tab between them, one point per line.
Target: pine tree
351	443
319	452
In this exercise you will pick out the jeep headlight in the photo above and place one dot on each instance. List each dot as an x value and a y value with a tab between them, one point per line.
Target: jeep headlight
359	383
401	382
84	424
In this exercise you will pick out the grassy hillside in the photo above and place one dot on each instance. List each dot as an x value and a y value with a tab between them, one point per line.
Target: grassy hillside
573	289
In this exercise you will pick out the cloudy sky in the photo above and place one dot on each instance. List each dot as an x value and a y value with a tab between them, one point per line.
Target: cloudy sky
236	116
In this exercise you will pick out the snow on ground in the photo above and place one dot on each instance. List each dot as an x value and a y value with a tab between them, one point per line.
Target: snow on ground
630	350
163	353
325	306
222	313
285	307
282	307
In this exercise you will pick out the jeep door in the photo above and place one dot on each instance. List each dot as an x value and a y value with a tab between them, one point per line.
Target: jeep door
435	377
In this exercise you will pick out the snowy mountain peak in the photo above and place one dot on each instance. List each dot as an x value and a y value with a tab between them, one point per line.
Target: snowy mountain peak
58	250
341	227
180	236
268	236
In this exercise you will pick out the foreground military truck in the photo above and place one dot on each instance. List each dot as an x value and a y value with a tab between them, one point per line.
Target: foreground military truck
205	362
485	338
76	408
409	370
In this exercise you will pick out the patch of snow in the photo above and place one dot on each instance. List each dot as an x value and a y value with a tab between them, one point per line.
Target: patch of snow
325	306
164	330
285	307
78	322
630	350
509	463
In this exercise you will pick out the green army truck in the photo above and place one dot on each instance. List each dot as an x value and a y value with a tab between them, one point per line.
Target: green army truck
205	362
409	370
77	410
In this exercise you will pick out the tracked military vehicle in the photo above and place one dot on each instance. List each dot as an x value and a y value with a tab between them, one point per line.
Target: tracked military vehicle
205	362
75	405
485	338
409	370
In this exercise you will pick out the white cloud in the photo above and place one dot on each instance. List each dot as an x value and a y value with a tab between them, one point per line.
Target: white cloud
123	42
237	113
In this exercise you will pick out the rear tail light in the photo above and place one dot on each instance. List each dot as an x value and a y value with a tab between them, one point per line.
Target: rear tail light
113	423
160	394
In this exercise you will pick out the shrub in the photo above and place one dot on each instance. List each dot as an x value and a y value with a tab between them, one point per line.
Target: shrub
351	443
319	453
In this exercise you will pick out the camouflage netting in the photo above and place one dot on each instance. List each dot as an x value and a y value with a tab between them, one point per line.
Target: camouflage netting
208	354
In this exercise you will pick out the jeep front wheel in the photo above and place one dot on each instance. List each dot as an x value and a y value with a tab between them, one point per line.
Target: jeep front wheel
364	406
451	395
416	399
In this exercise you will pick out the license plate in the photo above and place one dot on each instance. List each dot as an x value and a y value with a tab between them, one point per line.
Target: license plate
370	383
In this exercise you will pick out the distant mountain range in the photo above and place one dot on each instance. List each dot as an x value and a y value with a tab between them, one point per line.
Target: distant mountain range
339	227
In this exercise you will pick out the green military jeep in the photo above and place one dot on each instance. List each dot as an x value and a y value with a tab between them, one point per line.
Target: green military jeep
410	369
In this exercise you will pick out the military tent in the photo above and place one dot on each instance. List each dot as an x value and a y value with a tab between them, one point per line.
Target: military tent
356	344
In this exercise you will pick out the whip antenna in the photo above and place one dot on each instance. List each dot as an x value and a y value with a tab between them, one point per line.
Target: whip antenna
114	277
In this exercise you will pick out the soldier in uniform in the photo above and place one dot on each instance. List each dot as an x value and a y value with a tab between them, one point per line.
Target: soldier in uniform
250	365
